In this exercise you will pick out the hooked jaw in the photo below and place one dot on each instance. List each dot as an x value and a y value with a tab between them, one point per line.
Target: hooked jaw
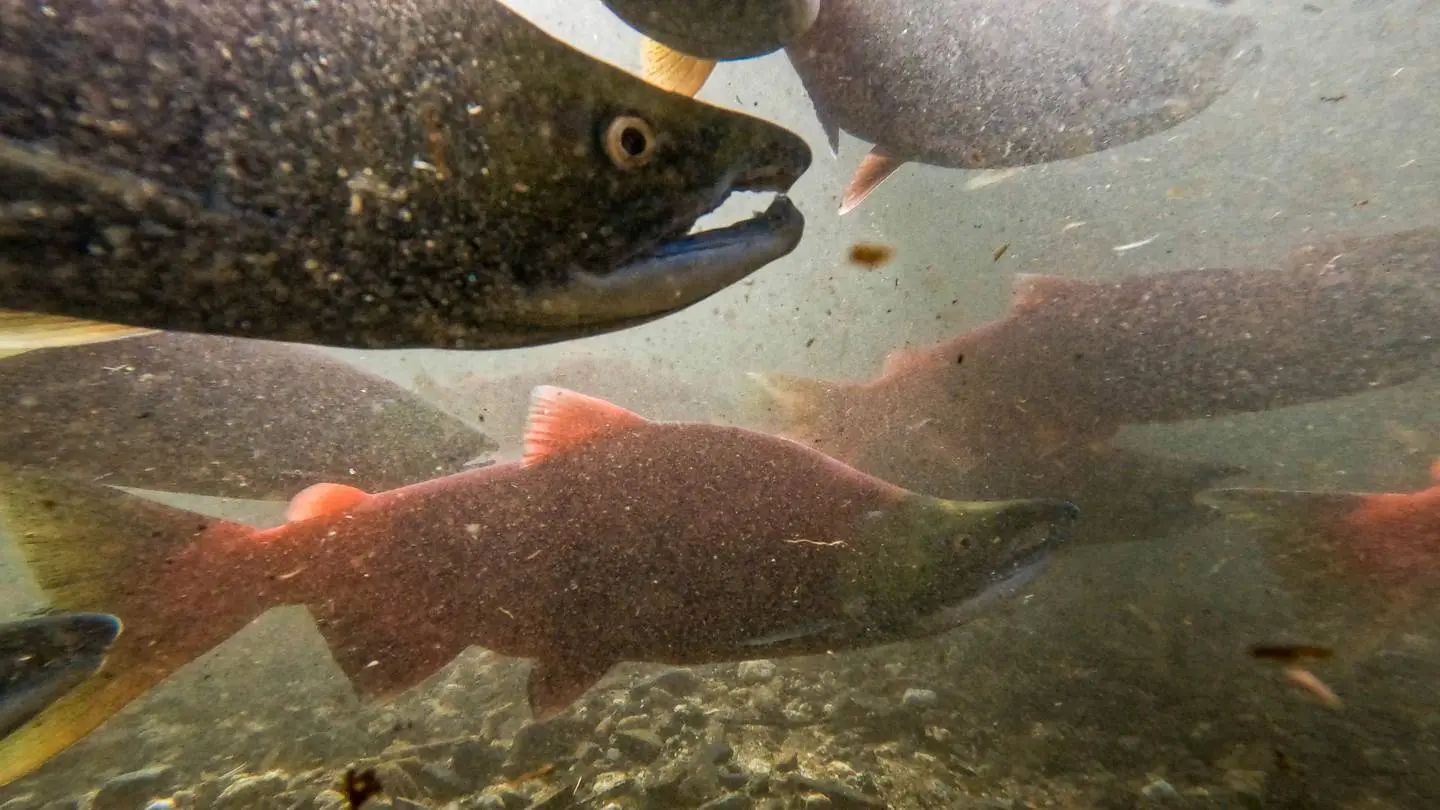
683	268
1026	531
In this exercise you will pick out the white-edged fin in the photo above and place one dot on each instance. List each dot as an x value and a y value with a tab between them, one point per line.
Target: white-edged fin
1033	290
670	70
562	420
26	331
874	168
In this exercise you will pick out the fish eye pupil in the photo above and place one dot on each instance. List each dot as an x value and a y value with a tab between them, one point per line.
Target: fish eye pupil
633	141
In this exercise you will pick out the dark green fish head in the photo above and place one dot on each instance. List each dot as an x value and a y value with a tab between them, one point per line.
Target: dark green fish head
931	553
722	29
436	173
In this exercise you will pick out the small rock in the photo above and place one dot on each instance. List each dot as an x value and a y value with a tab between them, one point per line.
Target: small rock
675	681
641	745
816	801
477	762
757	671
1160	790
131	790
714	753
788	763
633	721
611	783
439	782
731	801
327	799
162	804
840	796
733	778
920	699
538	744
553	799
252	792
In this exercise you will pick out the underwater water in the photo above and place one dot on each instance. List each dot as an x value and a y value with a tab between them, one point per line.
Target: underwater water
1235	619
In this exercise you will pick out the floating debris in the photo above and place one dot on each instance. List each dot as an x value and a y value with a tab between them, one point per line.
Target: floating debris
1305	679
1290	653
1000	251
360	786
871	255
1133	245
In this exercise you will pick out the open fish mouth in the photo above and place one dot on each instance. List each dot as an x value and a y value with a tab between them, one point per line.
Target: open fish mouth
676	273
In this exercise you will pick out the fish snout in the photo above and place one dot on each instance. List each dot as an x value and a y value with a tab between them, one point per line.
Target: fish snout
775	166
1032	529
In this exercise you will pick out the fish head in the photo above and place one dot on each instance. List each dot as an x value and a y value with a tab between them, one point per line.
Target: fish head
596	179
724	30
938	554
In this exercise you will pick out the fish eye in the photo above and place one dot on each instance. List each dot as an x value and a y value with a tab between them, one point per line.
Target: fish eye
629	142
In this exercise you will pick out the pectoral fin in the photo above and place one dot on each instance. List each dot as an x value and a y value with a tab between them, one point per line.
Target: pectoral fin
554	683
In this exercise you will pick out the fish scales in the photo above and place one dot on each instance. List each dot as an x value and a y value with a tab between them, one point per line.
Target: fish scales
371	174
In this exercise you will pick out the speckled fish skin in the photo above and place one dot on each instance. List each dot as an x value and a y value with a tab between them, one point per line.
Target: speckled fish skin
221	416
44	657
677	543
718	29
993	83
376	174
1076	359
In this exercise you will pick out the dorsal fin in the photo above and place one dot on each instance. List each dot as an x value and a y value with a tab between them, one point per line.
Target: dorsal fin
323	499
561	420
902	360
1032	290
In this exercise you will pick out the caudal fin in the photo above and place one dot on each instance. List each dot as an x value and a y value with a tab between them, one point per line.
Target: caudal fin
1280	509
96	549
673	71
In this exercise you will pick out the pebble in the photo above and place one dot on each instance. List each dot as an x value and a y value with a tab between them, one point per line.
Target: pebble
675	681
477	762
439	781
538	744
1160	790
251	792
920	699
131	790
162	804
757	671
816	801
641	745
730	801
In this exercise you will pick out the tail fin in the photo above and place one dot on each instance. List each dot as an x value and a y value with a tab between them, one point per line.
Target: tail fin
1279	509
93	548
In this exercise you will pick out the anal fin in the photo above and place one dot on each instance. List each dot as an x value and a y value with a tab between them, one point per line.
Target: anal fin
874	168
554	684
383	660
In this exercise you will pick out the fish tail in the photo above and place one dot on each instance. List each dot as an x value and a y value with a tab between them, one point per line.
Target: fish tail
21	332
90	548
673	71
1280	508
